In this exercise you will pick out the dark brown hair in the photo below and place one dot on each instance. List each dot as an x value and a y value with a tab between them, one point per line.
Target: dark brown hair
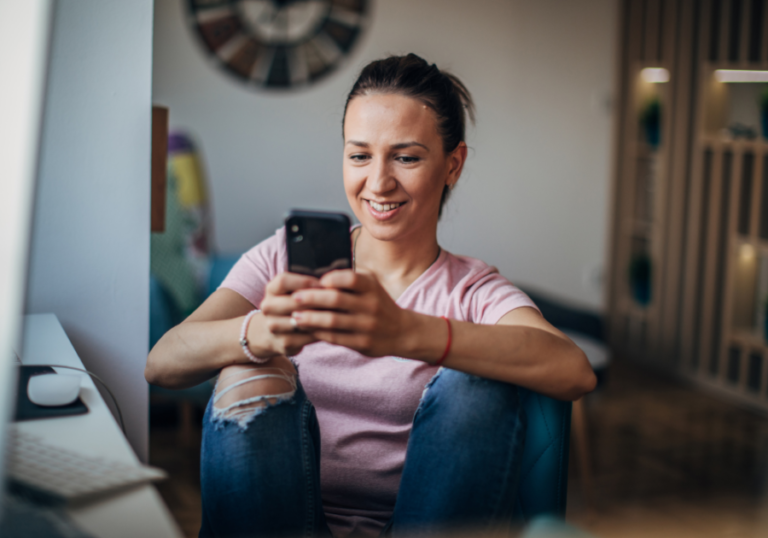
412	76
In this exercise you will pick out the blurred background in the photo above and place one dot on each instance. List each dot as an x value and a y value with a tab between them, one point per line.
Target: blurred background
618	173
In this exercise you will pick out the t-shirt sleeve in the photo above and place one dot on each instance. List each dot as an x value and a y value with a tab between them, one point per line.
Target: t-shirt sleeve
493	296
253	271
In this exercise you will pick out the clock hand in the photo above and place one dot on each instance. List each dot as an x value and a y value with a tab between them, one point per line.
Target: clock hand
280	4
277	8
268	15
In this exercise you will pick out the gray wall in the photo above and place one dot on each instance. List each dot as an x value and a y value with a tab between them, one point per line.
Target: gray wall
533	199
90	242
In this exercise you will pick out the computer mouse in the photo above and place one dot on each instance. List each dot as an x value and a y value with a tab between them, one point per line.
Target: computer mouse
52	390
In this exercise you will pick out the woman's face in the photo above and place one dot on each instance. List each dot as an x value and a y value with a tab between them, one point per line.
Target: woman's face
395	167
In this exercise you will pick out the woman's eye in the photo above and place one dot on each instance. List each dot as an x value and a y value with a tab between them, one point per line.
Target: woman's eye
359	157
407	159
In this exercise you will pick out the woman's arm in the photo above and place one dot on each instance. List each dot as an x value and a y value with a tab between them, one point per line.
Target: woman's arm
200	346
523	348
209	339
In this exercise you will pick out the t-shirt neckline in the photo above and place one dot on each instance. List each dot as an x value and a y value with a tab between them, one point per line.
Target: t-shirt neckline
433	267
429	270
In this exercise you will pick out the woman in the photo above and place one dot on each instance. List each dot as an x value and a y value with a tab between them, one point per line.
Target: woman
406	446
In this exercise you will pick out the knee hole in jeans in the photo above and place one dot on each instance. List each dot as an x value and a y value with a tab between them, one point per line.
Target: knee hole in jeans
244	391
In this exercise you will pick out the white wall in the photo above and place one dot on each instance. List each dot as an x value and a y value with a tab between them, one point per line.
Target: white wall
90	244
534	197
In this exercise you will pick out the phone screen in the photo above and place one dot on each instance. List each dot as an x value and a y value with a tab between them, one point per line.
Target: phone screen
317	242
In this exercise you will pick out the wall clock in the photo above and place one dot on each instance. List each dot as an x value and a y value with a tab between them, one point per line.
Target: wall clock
278	44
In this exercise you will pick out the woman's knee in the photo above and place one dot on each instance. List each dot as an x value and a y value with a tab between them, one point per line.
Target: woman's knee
477	398
244	391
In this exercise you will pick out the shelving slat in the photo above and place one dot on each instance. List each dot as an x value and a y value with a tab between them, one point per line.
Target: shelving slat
728	232
764	47
678	52
757	189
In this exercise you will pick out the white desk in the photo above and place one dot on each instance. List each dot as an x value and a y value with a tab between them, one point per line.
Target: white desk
136	512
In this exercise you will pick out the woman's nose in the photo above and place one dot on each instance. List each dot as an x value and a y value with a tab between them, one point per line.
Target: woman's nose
381	180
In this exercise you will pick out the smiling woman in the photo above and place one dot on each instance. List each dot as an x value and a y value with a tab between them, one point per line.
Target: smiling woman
380	432
395	169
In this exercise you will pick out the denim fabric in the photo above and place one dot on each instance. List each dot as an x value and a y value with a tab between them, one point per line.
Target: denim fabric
263	478
462	464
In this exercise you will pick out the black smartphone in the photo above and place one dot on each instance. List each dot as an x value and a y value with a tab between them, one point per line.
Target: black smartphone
317	242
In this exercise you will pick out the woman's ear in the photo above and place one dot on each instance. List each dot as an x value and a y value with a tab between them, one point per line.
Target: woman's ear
456	160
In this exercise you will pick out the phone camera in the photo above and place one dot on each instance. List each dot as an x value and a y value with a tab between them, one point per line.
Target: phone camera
295	228
298	238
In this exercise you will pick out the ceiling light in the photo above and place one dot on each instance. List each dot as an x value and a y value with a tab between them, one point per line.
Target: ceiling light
747	252
741	75
655	75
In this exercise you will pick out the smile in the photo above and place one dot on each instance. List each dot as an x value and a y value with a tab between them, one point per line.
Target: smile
384	207
384	212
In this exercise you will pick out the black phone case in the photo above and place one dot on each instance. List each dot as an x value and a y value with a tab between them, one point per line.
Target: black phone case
317	242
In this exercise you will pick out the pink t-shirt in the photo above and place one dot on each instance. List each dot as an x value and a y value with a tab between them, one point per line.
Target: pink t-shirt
365	406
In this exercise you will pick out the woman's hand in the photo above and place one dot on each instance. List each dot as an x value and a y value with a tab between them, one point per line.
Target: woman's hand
353	310
277	335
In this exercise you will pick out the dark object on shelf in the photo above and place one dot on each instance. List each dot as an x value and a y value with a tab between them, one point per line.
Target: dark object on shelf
765	321
650	120
26	410
739	130
640	278
764	122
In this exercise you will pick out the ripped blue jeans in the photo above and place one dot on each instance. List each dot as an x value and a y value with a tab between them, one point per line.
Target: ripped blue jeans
260	467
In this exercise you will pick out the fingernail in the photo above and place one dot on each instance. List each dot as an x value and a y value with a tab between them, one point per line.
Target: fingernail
297	297
297	316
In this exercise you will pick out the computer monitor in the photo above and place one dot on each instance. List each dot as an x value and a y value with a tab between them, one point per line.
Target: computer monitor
24	38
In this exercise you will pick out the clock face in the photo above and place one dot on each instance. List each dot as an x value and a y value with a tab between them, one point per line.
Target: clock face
278	44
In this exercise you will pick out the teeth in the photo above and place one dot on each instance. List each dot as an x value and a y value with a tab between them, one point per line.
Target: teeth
383	207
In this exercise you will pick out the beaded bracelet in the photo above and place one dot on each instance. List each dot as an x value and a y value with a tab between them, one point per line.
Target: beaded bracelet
244	340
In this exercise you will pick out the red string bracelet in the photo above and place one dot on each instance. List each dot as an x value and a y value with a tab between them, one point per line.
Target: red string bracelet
448	345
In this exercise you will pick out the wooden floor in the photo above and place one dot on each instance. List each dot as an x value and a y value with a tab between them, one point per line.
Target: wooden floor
667	460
